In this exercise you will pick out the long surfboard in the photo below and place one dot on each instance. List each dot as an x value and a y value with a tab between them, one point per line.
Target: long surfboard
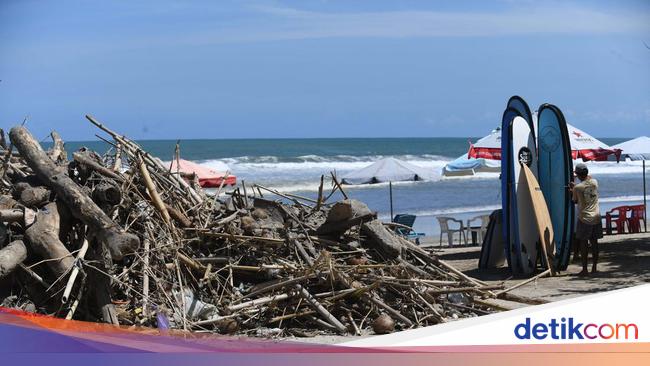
519	104
523	151
542	218
555	171
506	185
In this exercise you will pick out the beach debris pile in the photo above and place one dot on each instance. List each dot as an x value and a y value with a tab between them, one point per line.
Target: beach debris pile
120	238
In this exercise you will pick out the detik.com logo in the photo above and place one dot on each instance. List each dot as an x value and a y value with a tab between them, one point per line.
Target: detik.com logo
568	328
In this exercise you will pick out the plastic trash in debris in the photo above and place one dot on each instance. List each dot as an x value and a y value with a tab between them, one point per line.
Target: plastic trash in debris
196	309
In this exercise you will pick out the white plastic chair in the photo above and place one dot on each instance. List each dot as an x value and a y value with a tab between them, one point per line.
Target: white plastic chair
445	229
480	231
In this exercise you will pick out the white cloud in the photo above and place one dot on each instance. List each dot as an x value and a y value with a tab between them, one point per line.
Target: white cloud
280	23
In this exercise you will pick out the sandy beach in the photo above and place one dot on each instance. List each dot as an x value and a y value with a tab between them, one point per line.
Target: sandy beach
623	263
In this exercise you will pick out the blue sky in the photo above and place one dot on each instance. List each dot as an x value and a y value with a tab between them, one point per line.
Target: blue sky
230	69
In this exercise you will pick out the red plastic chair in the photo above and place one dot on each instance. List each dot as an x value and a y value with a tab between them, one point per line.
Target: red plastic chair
620	219
638	214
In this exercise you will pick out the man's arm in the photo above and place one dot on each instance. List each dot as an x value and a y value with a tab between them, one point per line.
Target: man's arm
574	192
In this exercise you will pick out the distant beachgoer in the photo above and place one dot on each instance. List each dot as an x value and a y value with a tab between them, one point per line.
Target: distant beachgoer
589	227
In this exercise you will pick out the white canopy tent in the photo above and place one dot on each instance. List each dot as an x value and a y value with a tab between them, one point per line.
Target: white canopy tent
638	149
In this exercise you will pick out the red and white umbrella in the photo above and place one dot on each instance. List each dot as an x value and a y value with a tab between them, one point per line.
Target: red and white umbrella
488	147
583	146
586	147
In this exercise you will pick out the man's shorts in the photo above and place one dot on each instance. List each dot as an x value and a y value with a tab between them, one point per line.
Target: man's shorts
589	231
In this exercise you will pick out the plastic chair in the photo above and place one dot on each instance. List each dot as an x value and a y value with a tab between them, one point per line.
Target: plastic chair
479	230
446	229
620	219
403	225
638	214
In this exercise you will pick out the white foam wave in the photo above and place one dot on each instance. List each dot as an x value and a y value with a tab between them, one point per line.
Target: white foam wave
621	199
307	166
489	208
607	167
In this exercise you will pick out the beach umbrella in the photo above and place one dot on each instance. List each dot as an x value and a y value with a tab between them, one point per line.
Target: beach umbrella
638	149
583	146
586	147
388	170
488	147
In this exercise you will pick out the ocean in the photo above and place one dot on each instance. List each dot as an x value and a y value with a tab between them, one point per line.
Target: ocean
295	165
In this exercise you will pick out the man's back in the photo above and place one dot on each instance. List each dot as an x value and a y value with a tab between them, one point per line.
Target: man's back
586	194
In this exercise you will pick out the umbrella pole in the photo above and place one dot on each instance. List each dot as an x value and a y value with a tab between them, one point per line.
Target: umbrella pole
645	203
390	189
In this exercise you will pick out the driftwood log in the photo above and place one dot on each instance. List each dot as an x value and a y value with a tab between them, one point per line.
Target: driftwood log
382	239
43	238
82	207
11	256
32	196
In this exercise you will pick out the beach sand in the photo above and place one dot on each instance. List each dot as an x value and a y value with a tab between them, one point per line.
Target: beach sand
624	262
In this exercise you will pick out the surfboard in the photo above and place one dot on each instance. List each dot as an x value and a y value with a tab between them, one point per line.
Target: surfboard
542	218
507	229
523	151
555	171
519	104
492	250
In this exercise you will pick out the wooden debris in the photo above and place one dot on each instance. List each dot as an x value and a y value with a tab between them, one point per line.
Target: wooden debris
234	262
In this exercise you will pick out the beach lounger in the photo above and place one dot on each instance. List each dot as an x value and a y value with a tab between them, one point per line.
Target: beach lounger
450	231
403	225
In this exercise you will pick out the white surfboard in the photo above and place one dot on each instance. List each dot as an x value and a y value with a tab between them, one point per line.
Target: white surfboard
524	151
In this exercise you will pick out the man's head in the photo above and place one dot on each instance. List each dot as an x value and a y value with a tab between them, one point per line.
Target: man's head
581	171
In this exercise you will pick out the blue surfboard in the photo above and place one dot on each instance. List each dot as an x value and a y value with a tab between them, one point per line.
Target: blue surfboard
555	171
506	183
519	104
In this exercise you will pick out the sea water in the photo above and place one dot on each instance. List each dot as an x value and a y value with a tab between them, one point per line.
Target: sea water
296	165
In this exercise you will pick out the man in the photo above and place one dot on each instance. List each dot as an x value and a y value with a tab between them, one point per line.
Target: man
589	227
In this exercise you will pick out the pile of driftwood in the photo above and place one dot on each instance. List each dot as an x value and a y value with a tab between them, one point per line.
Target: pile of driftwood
121	238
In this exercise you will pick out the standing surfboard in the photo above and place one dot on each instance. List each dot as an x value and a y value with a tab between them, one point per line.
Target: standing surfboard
519	104
542	218
526	235
555	171
506	184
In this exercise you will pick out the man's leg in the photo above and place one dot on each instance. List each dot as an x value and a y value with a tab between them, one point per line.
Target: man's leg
576	251
594	254
584	253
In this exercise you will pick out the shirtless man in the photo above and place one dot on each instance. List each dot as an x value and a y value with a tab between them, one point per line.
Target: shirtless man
589	227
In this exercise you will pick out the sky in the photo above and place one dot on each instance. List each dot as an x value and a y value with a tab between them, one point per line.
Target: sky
168	69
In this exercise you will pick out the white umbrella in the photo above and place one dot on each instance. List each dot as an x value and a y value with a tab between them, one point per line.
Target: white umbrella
638	149
635	149
488	147
586	147
388	170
